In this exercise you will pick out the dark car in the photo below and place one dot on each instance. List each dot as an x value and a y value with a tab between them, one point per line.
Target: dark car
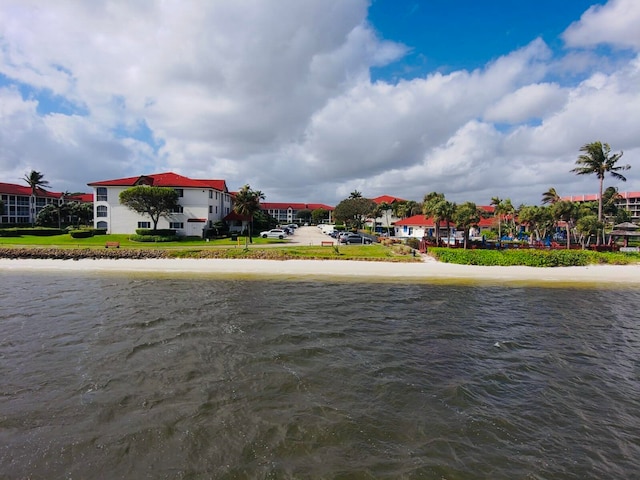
354	238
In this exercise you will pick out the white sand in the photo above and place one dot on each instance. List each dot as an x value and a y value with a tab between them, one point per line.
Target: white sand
428	270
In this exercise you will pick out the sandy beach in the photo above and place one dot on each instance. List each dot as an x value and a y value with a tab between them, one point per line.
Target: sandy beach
427	270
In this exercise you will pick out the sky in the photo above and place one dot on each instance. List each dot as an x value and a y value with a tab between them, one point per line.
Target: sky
310	100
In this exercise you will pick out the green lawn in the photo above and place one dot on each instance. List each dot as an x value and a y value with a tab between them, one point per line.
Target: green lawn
98	241
224	248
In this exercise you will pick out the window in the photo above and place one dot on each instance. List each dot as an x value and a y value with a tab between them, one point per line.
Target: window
101	225
101	194
210	209
178	209
101	211
180	192
210	193
176	225
144	224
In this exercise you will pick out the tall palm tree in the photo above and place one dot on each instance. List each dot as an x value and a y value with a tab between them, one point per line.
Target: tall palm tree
597	160
550	196
36	181
355	194
247	204
431	209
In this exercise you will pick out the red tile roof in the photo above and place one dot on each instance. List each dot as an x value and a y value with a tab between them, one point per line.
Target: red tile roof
294	206
25	191
387	199
168	179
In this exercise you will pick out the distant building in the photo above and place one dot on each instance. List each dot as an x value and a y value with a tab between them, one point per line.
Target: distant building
630	201
285	213
202	203
20	207
387	219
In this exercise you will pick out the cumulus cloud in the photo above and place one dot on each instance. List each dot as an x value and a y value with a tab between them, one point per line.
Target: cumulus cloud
615	23
278	94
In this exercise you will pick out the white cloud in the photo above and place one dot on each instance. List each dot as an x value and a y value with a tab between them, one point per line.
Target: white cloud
277	94
615	23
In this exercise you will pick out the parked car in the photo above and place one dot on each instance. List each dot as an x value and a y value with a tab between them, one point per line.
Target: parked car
355	238
274	233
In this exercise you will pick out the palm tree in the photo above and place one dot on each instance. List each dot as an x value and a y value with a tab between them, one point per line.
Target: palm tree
355	194
382	210
498	205
431	209
37	182
596	160
465	216
550	196
247	204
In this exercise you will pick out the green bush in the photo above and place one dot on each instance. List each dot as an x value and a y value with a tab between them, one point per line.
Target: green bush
413	242
39	232
154	238
100	231
163	232
81	233
529	258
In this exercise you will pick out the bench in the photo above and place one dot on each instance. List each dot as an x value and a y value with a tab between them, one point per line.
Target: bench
112	245
326	243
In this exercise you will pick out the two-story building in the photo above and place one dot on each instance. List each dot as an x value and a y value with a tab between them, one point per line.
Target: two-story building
285	213
202	203
22	207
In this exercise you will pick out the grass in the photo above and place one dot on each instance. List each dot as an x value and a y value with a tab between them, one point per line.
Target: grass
222	248
98	241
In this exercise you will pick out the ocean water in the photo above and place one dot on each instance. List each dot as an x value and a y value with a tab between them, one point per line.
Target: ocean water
140	376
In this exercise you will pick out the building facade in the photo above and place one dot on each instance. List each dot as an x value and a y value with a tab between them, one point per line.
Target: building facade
202	203
629	201
285	213
21	207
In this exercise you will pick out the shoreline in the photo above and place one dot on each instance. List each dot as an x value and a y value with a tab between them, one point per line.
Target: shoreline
429	270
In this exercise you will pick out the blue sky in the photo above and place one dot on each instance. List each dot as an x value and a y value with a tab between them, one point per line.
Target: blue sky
448	35
310	100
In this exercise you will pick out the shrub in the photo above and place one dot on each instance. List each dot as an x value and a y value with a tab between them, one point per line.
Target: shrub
81	233
154	238
163	232
526	257
100	231
413	242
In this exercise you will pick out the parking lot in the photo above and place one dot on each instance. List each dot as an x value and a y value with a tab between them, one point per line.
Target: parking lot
310	236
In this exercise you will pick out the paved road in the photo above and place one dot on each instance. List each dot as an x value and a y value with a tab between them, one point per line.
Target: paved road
309	236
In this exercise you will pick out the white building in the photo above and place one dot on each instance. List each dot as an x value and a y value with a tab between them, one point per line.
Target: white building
202	203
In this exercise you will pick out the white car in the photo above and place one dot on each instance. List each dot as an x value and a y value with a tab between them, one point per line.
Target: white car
274	233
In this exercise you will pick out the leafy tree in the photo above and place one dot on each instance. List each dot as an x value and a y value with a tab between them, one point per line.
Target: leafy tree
247	204
155	202
407	208
598	160
304	214
466	215
567	212
610	199
354	211
48	216
319	214
550	196
503	209
538	219
36	181
588	226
